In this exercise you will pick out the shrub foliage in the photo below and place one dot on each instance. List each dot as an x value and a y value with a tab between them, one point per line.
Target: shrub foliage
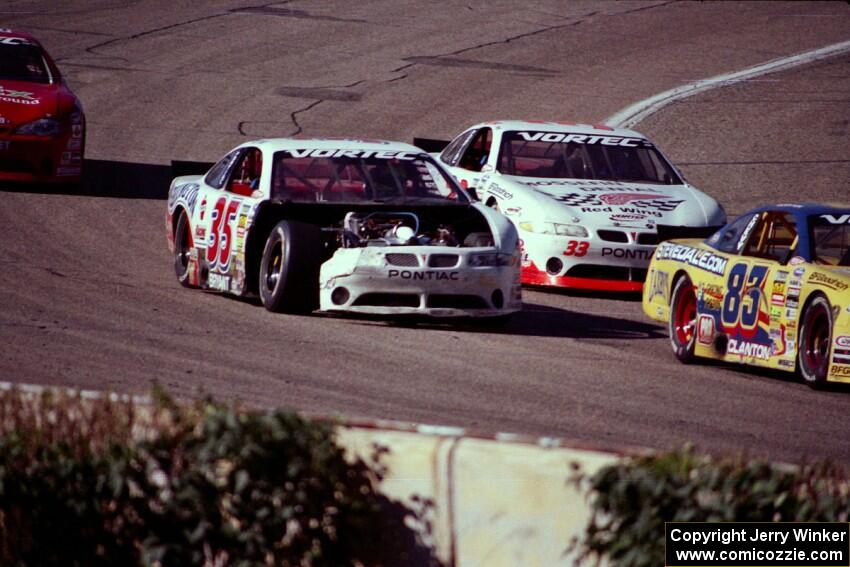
632	499
95	484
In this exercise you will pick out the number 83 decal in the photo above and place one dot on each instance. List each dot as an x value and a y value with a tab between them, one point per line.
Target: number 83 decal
220	240
744	282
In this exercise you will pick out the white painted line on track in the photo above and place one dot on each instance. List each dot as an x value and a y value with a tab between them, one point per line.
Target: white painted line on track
631	115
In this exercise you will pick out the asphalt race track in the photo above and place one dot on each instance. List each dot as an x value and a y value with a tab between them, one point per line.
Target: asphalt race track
88	296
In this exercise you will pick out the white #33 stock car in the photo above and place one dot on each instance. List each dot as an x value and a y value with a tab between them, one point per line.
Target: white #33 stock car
590	202
342	225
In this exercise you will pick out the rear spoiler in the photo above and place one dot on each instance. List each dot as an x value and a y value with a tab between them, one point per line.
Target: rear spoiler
430	145
669	232
179	168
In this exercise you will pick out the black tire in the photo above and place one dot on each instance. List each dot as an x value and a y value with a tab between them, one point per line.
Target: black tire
815	342
289	269
683	320
182	247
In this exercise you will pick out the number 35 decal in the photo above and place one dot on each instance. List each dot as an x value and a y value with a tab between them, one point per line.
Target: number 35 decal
740	286
576	248
221	236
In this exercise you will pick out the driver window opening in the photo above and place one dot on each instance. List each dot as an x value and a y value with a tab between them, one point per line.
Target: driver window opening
246	174
478	152
773	238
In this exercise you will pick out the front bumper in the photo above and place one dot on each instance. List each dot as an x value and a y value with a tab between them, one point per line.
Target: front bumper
418	280
42	159
588	263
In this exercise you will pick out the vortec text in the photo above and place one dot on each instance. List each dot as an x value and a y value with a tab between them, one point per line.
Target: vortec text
553	137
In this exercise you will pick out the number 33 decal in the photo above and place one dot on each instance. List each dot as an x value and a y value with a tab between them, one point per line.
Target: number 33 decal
576	248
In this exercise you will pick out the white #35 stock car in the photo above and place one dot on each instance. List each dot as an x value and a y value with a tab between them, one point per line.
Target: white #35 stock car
342	225
590	202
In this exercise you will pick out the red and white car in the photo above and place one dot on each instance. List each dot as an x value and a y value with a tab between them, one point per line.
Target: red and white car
590	202
42	125
344	226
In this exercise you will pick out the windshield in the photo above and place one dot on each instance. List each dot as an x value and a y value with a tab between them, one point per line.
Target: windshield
831	239
355	176
556	155
23	62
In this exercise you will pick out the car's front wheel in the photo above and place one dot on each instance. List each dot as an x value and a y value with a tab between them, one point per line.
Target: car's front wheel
815	340
683	319
289	269
182	248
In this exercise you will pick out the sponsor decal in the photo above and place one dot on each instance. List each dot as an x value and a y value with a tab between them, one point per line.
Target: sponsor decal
790	313
200	233
659	286
554	137
17	97
795	282
68	170
841	355
4	120
781	276
499	192
185	193
513	211
77	131
5	40
712	297
777	299
74	144
775	312
219	282
779	287
842	370
842	342
785	363
705	329
746	234
627	217
746	349
627	254
791	324
840	219
379	154
796	261
662	203
697	257
798	272
427	275
832	283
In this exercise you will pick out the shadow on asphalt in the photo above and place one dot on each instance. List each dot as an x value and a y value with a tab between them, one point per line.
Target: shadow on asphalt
533	321
116	179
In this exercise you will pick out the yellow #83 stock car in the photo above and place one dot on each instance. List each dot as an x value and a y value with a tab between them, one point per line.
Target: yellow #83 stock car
771	288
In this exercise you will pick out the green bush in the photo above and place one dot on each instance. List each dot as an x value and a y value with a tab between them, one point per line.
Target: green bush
631	500
94	484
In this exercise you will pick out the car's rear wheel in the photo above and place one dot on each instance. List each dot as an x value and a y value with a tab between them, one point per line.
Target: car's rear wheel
815	341
683	319
289	269
182	248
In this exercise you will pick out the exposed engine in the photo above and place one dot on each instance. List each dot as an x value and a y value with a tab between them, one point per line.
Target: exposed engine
392	229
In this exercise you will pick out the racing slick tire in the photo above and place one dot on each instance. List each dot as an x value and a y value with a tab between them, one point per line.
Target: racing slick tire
683	317
289	268
182	247
815	341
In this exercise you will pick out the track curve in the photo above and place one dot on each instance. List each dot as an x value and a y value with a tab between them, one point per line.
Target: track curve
88	297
